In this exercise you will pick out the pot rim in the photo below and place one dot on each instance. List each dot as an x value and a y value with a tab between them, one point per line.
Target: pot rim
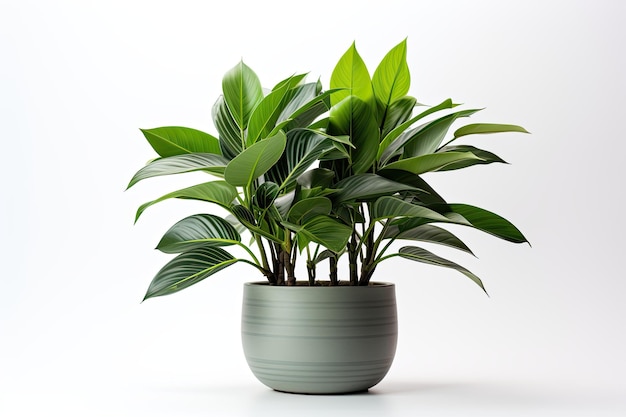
372	284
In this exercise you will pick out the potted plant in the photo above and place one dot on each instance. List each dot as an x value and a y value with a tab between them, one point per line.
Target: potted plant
334	177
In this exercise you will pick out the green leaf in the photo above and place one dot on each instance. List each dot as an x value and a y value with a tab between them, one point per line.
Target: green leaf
427	233
422	255
483	220
485	157
317	177
397	113
291	82
266	114
187	269
424	192
218	192
246	218
355	118
483	128
176	140
387	207
242	92
431	162
392	79
430	135
303	210
265	194
390	138
255	161
364	187
196	231
231	137
179	164
324	230
303	147
351	74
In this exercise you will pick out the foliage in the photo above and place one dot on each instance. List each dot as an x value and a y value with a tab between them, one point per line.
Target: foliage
321	174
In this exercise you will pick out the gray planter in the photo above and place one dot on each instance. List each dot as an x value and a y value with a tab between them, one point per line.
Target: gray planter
319	340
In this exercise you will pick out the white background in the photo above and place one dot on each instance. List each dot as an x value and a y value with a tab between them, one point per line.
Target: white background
77	80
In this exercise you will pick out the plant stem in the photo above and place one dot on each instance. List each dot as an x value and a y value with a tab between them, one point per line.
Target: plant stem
333	270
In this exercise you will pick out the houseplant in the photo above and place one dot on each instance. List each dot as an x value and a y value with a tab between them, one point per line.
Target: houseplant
330	176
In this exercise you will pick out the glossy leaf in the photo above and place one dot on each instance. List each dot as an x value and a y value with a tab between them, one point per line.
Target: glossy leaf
266	114
187	269
247	219
483	220
424	192
218	192
422	255
176	140
391	137
179	164
486	157
255	161
196	231
316	177
431	135
303	210
366	187
431	162
351	74
397	113
427	233
265	194
324	230
303	147
484	128
242	92
392	79
390	207
355	118
231	137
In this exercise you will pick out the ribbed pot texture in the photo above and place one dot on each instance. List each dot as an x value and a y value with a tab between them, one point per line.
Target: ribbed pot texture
319	340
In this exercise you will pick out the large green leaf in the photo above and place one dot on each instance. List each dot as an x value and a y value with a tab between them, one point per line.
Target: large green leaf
397	113
424	192
242	92
218	192
427	233
255	161
431	162
246	218
316	177
483	128
392	79
179	164
352	74
231	137
187	269
486	157
363	187
302	149
196	231
265	194
266	114
176	140
324	230
387	207
355	118
431	135
391	137
422	255
483	220
303	210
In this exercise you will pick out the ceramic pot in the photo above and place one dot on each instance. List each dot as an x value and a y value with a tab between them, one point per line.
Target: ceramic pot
319	339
